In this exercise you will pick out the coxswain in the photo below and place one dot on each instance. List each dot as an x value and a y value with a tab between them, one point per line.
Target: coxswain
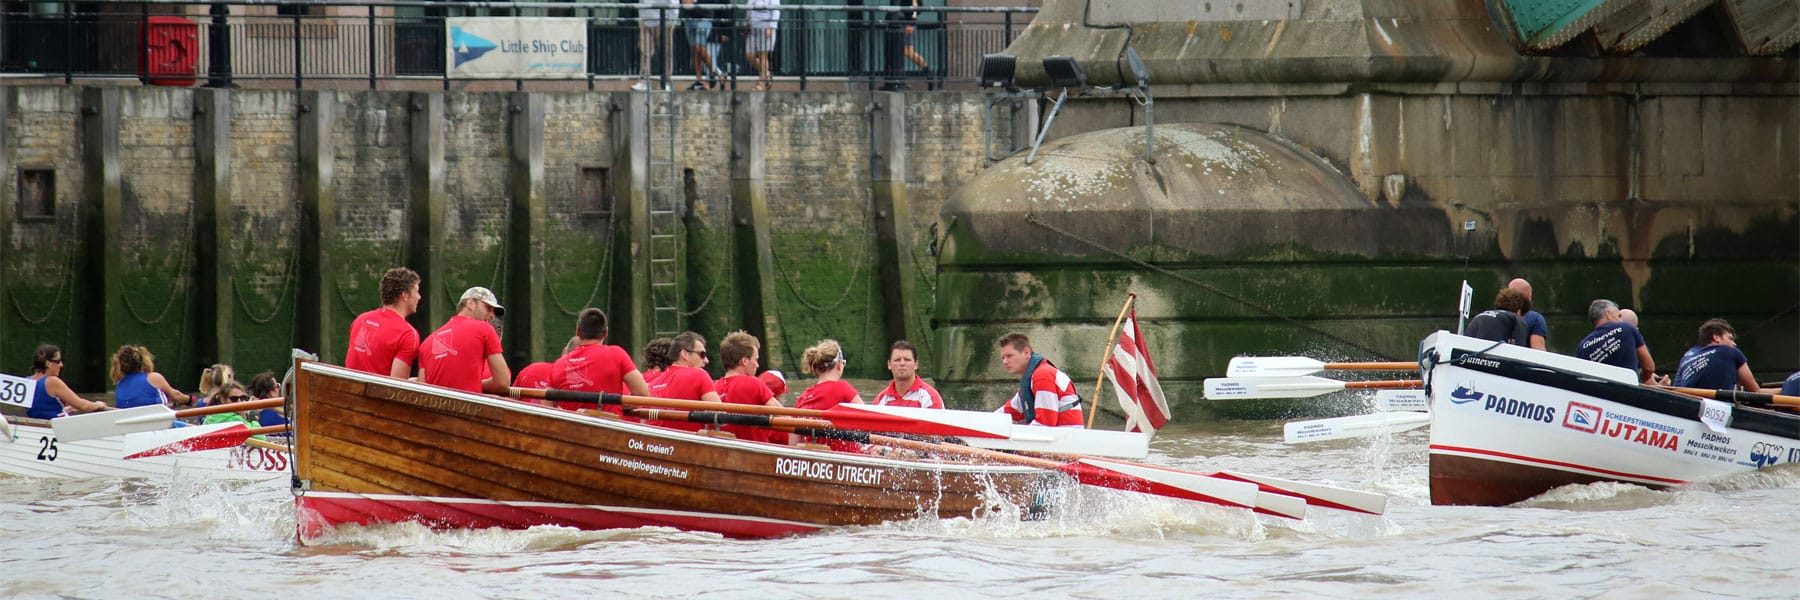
381	341
907	388
1046	395
53	398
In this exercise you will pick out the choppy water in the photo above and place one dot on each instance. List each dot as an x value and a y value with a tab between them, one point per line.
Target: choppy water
1737	537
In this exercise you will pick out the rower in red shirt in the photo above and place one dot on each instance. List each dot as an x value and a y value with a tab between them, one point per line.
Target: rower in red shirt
534	376
903	362
686	379
742	354
595	366
1046	395
657	357
826	360
381	341
453	355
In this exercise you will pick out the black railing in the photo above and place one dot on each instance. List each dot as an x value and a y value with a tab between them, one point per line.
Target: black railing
379	41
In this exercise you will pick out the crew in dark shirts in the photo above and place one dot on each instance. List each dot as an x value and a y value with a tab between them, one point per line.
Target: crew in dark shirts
1505	322
1534	321
1716	363
1615	342
1791	387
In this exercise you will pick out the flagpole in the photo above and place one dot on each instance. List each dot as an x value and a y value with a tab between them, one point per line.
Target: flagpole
1106	355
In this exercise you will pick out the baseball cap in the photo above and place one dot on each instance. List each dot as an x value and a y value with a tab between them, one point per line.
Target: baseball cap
775	380
486	296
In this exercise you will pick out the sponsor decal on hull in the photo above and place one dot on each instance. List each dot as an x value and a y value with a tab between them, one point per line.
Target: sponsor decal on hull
1764	454
1711	446
1582	417
1511	407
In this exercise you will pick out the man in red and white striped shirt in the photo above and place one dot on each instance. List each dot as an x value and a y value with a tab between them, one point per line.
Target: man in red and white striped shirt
1046	395
907	388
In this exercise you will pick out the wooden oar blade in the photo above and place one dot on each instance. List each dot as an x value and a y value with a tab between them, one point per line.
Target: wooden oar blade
1069	440
1323	496
185	439
1402	401
1272	366
1148	479
1320	430
1250	388
108	423
922	421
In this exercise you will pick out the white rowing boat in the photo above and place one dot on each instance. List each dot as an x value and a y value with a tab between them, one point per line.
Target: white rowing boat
33	451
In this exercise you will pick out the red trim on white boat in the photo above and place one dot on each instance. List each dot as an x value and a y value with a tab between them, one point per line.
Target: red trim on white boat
1556	463
321	510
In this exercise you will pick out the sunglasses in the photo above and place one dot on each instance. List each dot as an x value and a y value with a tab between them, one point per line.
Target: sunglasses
237	398
700	353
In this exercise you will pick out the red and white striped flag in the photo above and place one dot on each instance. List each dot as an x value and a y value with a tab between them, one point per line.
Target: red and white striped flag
1134	378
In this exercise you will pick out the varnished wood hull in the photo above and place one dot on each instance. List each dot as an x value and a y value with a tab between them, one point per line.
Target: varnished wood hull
372	449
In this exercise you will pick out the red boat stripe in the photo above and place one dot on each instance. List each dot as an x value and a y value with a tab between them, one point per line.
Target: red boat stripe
1556	463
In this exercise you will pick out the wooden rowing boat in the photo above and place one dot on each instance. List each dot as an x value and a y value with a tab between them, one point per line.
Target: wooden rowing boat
371	449
34	451
1509	423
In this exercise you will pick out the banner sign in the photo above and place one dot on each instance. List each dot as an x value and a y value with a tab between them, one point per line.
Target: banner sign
516	47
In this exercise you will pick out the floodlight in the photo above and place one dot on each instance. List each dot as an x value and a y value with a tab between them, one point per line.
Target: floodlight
997	70
1064	72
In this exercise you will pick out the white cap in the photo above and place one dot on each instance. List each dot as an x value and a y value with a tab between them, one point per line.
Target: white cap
486	296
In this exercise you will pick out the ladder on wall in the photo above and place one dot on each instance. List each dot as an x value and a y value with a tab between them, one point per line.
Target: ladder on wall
665	206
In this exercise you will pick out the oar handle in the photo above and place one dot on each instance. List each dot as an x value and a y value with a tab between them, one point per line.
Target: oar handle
624	399
1383	385
1373	366
283	428
1739	397
227	408
713	417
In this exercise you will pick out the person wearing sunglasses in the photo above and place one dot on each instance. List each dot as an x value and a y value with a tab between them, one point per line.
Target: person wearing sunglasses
686	377
53	397
231	392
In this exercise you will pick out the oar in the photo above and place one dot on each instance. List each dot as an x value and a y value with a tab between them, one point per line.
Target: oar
1320	430
1125	476
1225	388
1295	366
194	439
1402	400
991	430
108	423
1311	494
1746	398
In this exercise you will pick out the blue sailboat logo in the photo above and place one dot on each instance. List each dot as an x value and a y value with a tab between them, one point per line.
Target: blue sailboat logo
468	45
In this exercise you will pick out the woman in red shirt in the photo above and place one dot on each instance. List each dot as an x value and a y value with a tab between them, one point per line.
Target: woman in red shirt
826	360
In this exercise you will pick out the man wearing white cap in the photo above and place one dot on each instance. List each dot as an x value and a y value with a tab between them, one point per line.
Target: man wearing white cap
453	355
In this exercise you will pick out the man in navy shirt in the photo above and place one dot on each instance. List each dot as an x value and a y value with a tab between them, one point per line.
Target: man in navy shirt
1791	387
1615	342
1715	364
1534	320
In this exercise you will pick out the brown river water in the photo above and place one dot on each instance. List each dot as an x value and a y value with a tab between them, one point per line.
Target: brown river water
1738	537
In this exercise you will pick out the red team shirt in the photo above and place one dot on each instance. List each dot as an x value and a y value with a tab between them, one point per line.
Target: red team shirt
823	396
377	338
592	368
920	395
681	383
748	389
535	376
455	355
1054	396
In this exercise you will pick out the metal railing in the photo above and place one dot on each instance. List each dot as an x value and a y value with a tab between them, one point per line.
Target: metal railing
259	43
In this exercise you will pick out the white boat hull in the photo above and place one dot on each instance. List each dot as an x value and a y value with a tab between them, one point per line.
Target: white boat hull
1511	423
33	451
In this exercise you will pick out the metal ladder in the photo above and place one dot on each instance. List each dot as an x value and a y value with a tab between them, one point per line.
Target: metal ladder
665	206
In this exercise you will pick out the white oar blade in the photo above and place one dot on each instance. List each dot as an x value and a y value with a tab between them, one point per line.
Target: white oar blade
1316	494
1176	483
1248	388
1320	430
170	440
1292	507
1272	366
1069	440
108	423
992	424
1402	401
